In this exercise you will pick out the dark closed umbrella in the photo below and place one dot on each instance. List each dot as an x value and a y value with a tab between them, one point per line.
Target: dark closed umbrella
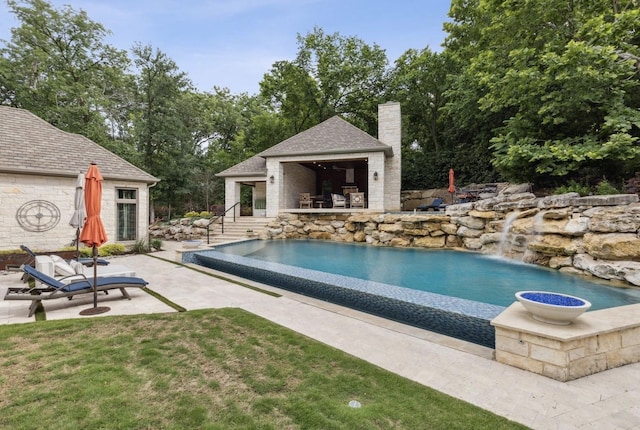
93	233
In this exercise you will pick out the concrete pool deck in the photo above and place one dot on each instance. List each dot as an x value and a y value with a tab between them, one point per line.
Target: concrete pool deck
607	400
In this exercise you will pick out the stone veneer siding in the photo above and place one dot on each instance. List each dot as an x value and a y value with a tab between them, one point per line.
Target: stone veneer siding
390	133
19	189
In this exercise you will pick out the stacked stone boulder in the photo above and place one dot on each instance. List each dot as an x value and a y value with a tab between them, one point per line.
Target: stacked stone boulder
182	229
592	236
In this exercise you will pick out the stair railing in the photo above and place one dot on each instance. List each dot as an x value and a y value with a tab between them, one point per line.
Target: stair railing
221	218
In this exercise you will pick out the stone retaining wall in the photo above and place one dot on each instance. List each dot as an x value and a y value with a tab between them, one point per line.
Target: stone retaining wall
593	236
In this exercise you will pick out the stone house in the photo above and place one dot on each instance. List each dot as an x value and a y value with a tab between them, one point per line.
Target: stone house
39	166
334	157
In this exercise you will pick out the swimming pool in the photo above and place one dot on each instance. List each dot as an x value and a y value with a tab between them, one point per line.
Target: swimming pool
451	292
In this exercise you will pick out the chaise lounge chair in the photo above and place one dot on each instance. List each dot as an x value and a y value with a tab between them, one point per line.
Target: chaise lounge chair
56	289
56	267
85	261
435	205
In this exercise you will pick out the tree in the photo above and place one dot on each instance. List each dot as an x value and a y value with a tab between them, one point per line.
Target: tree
419	81
331	75
164	124
559	77
231	129
58	67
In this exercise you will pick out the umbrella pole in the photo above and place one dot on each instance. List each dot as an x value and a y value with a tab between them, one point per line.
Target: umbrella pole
95	309
95	276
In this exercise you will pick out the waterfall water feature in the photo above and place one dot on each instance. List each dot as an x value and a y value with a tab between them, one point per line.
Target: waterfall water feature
537	230
504	237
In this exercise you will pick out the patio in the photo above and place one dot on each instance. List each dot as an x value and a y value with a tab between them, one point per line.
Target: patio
606	400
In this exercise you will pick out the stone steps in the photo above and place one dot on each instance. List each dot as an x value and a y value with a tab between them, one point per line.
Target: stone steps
237	230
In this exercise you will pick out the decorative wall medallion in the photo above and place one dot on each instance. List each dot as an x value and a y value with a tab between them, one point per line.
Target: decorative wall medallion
38	215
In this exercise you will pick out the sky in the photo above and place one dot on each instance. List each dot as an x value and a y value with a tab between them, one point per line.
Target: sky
233	43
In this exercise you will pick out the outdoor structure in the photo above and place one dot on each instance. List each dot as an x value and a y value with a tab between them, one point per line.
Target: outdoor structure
39	166
334	157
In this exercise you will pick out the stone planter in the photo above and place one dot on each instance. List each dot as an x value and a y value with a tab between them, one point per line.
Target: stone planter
552	308
191	243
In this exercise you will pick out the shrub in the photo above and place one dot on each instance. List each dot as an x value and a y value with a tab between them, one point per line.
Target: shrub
573	187
192	214
205	214
604	187
140	247
105	250
156	244
112	249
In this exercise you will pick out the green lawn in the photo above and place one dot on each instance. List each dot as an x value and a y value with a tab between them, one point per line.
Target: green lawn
210	369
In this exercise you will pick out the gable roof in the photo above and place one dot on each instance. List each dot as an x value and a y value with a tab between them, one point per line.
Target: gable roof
254	166
333	136
30	145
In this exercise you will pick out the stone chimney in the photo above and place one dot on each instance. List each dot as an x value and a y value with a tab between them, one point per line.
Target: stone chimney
390	133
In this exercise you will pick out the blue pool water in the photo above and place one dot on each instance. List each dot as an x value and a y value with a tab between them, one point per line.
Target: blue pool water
464	275
449	292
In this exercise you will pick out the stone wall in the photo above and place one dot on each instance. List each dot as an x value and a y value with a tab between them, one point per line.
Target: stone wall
411	199
592	236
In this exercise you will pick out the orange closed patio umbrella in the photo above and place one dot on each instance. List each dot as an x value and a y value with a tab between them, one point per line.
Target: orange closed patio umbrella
452	183
93	233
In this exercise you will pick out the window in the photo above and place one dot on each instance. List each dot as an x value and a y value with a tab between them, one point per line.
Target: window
127	204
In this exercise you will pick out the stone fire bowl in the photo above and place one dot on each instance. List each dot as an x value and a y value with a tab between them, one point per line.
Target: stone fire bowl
191	243
553	308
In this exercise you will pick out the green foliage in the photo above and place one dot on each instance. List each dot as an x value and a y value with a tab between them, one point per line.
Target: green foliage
12	251
195	214
57	66
604	188
105	250
428	170
112	249
156	244
140	247
419	81
524	90
561	83
331	75
573	187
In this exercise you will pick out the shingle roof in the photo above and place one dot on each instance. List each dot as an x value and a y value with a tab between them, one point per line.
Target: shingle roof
333	136
254	166
28	144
